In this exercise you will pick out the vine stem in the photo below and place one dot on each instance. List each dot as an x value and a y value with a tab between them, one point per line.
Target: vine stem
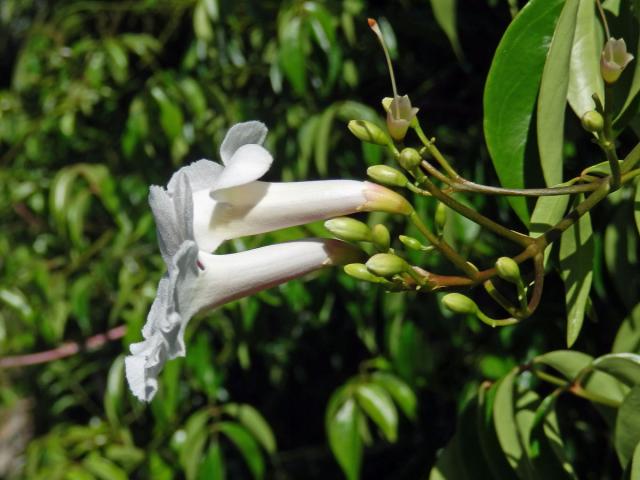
65	350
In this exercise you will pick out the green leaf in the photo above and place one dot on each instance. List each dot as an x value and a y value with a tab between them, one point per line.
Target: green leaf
584	75
171	118
467	442
377	404
623	366
114	393
636	206
448	466
628	336
627	431
570	363
247	445
212	467
399	391
102	468
255	423
323	141
634	87
444	12
342	430
552	98
576	265
201	23
506	425
511	90
291	54
195	438
635	464
547	212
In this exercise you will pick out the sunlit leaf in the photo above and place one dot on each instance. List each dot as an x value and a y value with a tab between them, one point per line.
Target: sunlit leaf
444	12
399	391
623	366
511	91
255	423
377	404
341	424
627	430
576	264
247	445
628	336
213	466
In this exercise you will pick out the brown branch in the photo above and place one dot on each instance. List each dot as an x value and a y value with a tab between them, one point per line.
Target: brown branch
65	350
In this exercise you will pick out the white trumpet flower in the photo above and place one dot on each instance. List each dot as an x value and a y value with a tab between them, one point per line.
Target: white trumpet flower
198	281
210	203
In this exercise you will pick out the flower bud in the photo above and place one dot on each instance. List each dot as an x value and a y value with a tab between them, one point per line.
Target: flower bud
386	103
381	199
368	132
350	229
440	217
592	121
386	265
381	237
409	158
399	116
412	243
359	271
387	176
458	303
508	270
614	59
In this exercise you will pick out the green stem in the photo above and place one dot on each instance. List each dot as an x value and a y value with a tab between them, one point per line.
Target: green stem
470	213
430	147
464	185
443	247
607	140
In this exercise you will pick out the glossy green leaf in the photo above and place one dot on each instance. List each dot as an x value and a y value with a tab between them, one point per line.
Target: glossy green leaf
195	439
552	98
399	391
504	417
344	439
448	466
253	421
635	464
576	265
247	445
628	335
377	404
627	431
511	91
444	12
623	366
212	467
584	74
291	55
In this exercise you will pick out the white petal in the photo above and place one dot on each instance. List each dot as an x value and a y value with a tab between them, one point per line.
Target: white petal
242	134
248	163
201	174
263	207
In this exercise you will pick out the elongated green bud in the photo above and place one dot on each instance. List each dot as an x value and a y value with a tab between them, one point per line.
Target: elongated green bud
412	243
360	271
440	217
381	199
386	265
508	270
368	132
409	158
592	121
381	237
350	229
458	303
387	176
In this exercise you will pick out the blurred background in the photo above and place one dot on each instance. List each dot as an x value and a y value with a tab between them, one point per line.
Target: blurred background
100	99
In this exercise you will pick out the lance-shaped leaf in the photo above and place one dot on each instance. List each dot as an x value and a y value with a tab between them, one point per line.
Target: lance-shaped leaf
576	261
552	98
511	90
627	431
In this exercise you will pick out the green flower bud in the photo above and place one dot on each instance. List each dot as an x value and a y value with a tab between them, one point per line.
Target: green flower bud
381	237
359	271
508	270
440	217
411	243
386	265
381	199
614	59
368	132
592	121
386	103
387	176
458	303
409	158
350	229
